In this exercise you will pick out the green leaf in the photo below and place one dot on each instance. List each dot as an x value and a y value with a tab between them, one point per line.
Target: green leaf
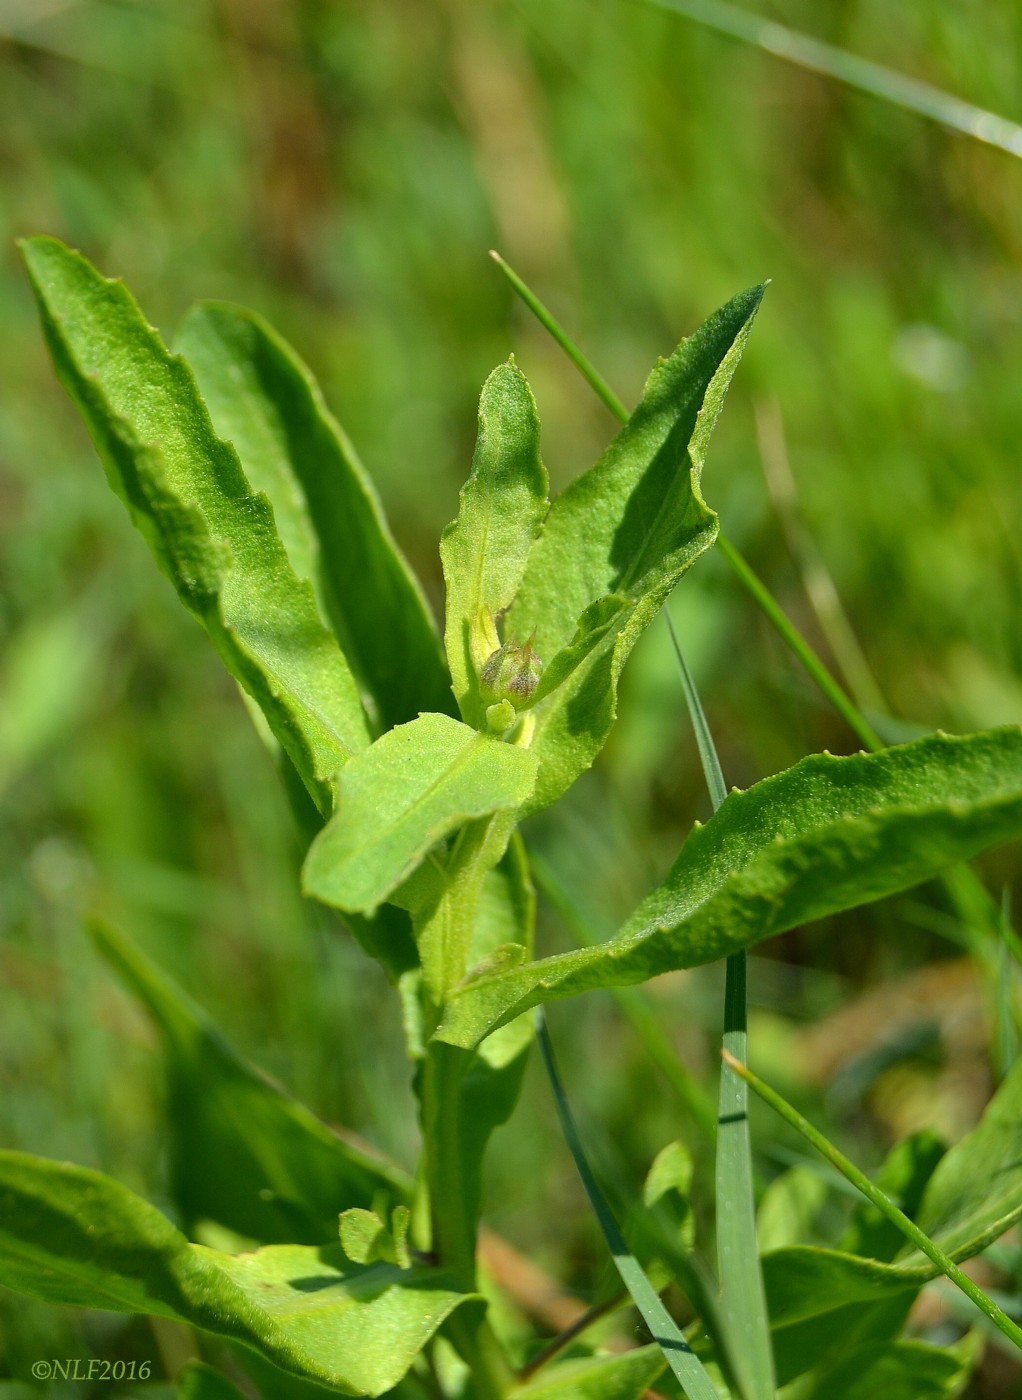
413	787
903	1177
265	401
484	551
630	526
72	1236
505	920
667	1185
972	1197
895	1371
244	1153
975	1192
186	492
823	836
823	1301
789	1207
201	1382
624	1377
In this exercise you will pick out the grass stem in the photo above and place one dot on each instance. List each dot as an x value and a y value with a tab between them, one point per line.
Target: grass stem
876	1197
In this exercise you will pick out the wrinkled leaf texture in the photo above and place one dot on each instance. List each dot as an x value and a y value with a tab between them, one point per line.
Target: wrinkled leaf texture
826	835
73	1236
616	542
187	493
265	401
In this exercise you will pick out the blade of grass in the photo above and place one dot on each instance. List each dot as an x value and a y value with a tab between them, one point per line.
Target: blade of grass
741	1279
685	1365
860	73
574	354
877	1198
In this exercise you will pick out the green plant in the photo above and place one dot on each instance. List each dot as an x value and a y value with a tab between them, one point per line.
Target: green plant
410	775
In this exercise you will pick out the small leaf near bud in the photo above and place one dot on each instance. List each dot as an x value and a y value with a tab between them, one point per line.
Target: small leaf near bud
500	717
510	673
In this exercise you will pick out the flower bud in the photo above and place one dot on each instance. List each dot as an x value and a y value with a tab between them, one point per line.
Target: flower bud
510	673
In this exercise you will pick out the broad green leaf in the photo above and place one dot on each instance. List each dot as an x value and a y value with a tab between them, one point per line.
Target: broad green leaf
484	551
244	1153
803	1281
414	786
823	836
972	1197
72	1236
907	1370
624	1377
201	1382
264	400
819	1340
667	1186
903	1177
630	527
789	1208
385	935
186	492
975	1192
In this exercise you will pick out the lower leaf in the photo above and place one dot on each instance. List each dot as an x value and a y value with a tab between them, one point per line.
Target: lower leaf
624	1377
69	1235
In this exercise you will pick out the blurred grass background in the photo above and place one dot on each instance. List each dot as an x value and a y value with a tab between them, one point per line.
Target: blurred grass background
343	169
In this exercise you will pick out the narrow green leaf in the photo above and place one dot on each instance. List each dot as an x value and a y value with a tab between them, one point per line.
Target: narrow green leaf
414	786
630	526
826	835
484	551
624	1377
741	1281
72	1236
265	401
685	1365
186	492
244	1153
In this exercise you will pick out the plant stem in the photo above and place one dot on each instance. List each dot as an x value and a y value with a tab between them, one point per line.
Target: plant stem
444	905
876	1197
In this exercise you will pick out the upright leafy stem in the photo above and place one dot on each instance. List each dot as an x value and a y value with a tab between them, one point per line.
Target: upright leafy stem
414	839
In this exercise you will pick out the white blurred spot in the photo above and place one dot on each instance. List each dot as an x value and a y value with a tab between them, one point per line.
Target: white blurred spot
931	357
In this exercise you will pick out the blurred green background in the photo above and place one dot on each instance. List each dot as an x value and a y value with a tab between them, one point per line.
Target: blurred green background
343	168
